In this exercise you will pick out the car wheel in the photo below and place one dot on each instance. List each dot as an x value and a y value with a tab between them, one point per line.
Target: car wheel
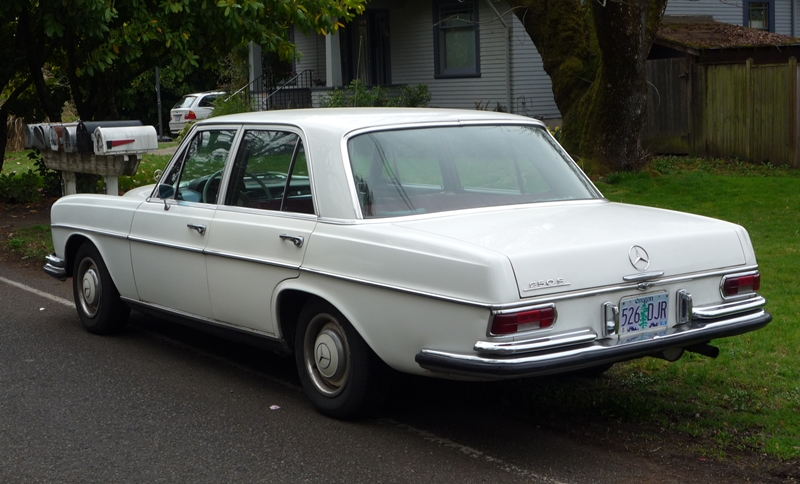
340	373
96	297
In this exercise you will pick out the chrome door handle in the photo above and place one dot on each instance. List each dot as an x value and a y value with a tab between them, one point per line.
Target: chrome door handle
201	229
295	239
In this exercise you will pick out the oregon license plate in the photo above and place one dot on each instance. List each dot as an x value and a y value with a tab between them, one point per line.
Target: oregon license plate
647	312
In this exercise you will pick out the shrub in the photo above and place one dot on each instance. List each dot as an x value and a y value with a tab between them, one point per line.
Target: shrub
51	179
230	105
357	94
22	188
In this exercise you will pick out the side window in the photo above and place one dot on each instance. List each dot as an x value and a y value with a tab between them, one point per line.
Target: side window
207	101
196	177
270	173
455	38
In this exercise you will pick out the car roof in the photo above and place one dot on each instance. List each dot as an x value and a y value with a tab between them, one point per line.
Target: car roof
344	120
203	93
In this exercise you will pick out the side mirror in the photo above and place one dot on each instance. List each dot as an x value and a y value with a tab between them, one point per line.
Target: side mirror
164	192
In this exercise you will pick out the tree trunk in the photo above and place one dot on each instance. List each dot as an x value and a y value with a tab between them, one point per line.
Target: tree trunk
5	110
595	54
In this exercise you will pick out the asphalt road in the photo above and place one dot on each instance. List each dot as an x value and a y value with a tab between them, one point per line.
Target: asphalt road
162	403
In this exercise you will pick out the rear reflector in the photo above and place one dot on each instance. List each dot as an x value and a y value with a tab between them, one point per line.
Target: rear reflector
735	285
523	321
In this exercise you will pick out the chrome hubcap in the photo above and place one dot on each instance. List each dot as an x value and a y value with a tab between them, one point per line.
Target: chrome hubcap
91	289
327	355
90	283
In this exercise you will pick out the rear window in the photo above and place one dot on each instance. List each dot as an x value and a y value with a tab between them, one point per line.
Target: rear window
185	102
428	170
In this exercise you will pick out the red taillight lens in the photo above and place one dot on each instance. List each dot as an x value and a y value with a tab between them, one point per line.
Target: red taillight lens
190	115
523	321
741	285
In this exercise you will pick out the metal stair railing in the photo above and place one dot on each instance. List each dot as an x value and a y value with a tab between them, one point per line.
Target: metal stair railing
292	93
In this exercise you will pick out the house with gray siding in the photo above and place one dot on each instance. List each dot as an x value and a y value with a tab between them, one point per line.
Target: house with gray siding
472	53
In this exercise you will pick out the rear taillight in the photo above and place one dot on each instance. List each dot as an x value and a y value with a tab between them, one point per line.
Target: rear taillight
509	323
736	285
190	115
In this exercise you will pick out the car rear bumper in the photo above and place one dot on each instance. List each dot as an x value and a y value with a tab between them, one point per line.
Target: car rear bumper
587	354
56	267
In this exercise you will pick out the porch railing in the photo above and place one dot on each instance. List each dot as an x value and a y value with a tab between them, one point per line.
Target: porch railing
264	95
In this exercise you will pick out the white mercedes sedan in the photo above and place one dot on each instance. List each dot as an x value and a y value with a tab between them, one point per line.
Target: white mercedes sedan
455	244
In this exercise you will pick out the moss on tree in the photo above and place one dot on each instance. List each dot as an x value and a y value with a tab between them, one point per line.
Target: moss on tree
595	54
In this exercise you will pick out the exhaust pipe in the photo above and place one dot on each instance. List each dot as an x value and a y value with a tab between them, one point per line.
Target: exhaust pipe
704	349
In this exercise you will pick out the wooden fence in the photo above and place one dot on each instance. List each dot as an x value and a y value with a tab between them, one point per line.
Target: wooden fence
741	110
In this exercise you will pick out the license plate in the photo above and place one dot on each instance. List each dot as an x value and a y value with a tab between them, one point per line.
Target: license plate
176	118
644	313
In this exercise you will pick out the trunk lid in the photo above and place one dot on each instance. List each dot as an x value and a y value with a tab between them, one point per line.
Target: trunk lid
578	245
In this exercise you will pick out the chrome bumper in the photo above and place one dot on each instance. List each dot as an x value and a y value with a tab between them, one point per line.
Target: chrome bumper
56	267
583	349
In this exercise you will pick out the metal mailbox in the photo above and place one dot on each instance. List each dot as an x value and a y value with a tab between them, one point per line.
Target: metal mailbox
126	140
84	135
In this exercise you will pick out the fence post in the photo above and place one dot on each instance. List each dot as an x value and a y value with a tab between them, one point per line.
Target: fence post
749	115
794	132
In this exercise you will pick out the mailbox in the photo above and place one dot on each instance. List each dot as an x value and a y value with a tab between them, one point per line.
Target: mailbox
28	135
84	134
57	132
125	140
70	139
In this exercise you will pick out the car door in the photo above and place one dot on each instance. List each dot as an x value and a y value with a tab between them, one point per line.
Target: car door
260	231
171	229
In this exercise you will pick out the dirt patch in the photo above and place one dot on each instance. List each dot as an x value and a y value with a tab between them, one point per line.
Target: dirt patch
16	216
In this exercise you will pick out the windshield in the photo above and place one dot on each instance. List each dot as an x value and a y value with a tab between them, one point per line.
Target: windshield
427	170
185	102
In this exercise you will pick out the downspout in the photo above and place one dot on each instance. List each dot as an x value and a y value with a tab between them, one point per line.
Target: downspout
508	54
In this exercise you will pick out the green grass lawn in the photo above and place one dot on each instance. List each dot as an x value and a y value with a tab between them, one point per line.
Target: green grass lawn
749	397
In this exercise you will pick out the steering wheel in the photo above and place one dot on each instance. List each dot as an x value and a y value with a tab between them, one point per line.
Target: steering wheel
267	193
217	174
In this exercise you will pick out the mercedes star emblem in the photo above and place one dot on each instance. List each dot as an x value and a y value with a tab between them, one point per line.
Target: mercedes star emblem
323	356
639	258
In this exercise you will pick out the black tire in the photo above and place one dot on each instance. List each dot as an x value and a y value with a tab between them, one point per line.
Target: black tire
354	380
96	297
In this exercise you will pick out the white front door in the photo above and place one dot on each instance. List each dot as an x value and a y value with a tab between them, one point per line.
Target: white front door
168	234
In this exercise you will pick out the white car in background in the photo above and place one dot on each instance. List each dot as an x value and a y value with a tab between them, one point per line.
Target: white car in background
192	107
448	243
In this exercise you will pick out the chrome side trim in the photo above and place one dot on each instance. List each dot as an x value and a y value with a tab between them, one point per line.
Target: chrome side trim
254	260
118	235
199	319
527	302
403	289
727	309
266	213
537	344
198	250
619	287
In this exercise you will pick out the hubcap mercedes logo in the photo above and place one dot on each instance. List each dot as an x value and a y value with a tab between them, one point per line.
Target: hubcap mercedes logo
323	356
639	258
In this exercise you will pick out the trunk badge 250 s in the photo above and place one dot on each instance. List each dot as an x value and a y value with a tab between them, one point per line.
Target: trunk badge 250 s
543	284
